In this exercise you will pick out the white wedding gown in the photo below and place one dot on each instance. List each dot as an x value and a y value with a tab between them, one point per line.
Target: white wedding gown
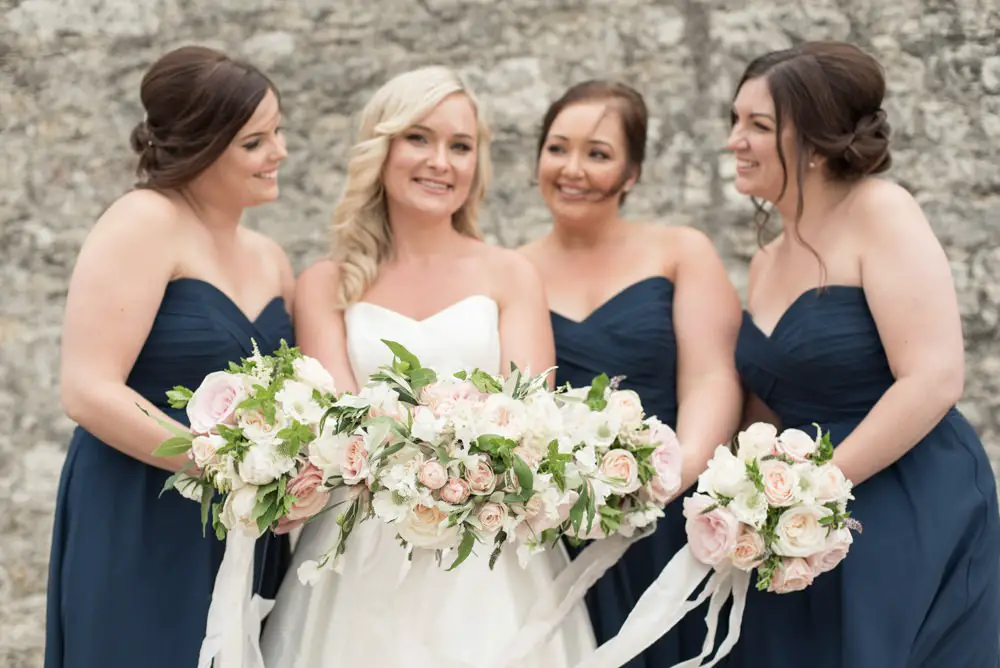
386	612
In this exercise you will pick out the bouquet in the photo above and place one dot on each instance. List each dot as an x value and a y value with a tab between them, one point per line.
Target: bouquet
779	505
250	430
769	502
616	466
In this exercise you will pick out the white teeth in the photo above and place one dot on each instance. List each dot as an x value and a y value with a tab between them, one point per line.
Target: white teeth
267	175
433	185
745	164
572	191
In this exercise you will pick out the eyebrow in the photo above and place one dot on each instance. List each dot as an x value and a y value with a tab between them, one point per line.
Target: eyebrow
460	135
260	133
591	140
755	114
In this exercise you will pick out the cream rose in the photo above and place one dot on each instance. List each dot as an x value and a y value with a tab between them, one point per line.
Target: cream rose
309	499
838	544
748	551
432	475
491	517
256	427
791	575
799	532
829	484
627	406
711	535
455	491
758	440
482	480
796	444
621	471
425	527
203	449
311	372
215	401
237	511
781	482
725	475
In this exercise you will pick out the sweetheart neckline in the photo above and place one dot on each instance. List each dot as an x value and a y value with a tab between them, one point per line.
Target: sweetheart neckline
252	320
420	321
607	302
795	302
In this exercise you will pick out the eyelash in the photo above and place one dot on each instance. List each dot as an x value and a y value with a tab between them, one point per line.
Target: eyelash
255	143
460	146
601	155
759	126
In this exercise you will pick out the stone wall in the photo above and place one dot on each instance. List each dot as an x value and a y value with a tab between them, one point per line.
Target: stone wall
69	76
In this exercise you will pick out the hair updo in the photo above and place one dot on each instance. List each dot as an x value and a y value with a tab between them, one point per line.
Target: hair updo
196	100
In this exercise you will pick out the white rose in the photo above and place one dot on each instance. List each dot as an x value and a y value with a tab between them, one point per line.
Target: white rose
799	532
424	526
263	464
503	416
750	507
828	484
203	449
796	444
256	427
725	475
327	452
426	426
756	441
311	372
627	407
295	399
237	511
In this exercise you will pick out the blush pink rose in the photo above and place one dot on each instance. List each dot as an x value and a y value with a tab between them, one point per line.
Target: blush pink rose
621	464
355	466
748	552
491	516
215	401
481	478
838	544
793	574
455	491
442	395
432	475
668	460
309	499
781	482
711	535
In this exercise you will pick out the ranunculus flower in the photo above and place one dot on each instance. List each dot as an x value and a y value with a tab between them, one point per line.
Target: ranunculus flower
711	535
215	401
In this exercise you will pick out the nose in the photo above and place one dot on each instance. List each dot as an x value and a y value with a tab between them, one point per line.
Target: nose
279	149
573	167
737	139
438	159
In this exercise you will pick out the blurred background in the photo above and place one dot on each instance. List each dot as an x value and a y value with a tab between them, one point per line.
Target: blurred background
69	80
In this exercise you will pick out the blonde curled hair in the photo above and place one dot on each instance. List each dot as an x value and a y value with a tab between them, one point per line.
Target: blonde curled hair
362	238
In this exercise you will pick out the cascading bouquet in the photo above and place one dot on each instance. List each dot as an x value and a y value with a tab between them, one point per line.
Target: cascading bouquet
778	505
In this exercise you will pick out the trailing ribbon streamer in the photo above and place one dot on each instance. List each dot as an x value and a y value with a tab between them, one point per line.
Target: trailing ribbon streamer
232	631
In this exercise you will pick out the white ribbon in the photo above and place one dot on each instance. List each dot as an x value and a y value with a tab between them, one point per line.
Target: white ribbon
232	631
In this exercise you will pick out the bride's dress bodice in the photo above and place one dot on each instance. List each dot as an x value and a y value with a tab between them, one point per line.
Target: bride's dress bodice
384	610
464	335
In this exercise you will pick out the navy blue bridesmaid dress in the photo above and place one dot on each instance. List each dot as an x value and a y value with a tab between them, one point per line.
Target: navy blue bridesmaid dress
130	575
920	587
632	335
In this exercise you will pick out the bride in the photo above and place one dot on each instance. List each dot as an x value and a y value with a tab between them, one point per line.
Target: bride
410	266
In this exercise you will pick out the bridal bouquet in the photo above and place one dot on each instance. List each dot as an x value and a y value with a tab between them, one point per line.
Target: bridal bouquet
616	466
250	430
778	506
448	461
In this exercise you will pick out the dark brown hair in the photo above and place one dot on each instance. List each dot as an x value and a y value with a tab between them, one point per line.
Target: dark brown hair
196	99
832	94
631	108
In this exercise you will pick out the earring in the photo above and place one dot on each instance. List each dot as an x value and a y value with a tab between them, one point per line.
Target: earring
812	165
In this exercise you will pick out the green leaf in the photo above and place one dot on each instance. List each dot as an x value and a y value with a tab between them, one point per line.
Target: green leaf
464	549
579	508
421	378
177	445
595	396
525	479
461	374
207	494
170	482
169	426
402	354
179	396
485	382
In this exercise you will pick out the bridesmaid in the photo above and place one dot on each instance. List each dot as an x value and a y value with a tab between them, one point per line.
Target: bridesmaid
168	287
853	323
649	302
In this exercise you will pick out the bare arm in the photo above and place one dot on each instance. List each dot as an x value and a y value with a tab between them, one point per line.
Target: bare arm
319	324
525	327
911	294
707	316
114	294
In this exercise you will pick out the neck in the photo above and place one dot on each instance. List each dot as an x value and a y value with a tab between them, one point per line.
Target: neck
585	234
819	197
415	238
222	221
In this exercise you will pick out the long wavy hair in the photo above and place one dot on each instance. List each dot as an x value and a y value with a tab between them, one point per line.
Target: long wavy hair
362	238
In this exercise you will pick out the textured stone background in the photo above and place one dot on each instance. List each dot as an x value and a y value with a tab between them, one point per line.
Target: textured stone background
69	76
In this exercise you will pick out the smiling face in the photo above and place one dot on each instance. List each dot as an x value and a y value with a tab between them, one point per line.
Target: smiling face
431	164
247	171
754	142
582	161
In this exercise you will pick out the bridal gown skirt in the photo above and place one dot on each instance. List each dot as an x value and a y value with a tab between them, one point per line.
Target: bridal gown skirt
384	611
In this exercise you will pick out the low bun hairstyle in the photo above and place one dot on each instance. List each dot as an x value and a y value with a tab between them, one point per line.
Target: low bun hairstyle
196	99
